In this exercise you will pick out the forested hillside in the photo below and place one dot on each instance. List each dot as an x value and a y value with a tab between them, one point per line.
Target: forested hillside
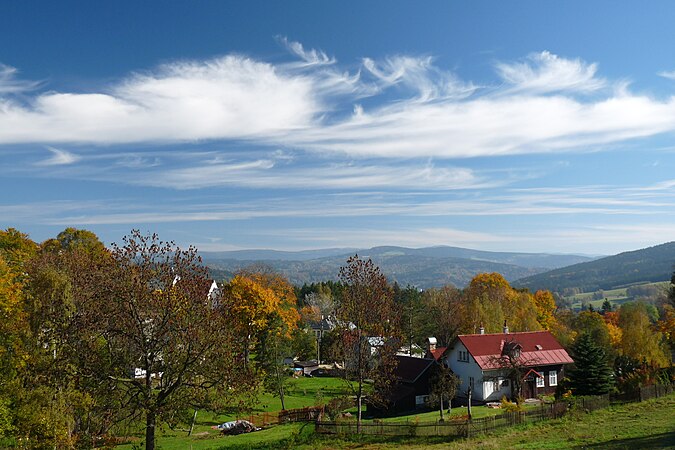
646	265
423	267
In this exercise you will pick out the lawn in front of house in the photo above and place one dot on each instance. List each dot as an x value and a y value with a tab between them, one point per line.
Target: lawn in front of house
302	392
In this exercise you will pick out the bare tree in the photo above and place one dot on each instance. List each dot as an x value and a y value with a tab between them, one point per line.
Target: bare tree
369	329
512	365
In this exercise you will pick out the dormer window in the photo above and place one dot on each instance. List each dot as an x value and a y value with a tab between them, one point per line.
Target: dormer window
538	347
511	349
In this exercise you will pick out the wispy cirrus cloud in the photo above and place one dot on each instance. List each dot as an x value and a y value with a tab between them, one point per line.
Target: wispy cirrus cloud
545	72
59	158
11	84
545	103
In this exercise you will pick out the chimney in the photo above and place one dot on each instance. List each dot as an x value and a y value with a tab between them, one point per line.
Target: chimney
505	330
431	343
481	330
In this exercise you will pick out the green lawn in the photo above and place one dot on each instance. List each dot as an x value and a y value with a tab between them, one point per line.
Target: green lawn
432	416
647	425
301	393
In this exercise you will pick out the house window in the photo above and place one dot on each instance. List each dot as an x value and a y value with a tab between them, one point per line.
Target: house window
495	385
540	381
553	378
505	383
463	356
471	382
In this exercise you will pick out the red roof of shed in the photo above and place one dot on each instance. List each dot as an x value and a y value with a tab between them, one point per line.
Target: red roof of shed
436	353
538	348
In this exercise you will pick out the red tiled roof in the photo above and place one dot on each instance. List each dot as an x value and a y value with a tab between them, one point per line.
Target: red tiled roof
538	348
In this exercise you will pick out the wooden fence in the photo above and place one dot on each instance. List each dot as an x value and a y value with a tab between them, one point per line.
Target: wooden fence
309	414
467	428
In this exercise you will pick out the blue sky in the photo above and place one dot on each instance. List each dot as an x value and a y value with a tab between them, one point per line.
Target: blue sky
528	126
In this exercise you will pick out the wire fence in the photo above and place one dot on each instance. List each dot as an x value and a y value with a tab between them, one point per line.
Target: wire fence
469	427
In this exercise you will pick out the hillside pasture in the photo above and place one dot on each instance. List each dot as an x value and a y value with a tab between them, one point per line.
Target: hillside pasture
616	297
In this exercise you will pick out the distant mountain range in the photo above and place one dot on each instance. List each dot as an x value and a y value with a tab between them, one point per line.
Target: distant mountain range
646	265
421	267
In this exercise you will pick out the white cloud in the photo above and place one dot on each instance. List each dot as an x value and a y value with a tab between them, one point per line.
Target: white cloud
670	74
545	104
308	56
545	72
59	158
225	98
418	74
266	174
9	84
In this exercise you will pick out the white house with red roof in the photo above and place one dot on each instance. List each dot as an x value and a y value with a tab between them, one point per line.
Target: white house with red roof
485	362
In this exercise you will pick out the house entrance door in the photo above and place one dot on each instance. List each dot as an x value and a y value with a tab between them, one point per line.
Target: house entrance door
529	388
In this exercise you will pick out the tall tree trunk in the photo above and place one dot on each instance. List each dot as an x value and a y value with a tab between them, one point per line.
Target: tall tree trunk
280	381
150	422
442	418
359	397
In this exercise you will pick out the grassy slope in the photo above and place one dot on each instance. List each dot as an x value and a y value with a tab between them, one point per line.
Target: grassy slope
615	296
647	425
302	392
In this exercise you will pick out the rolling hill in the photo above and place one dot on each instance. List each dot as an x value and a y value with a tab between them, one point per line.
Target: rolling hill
646	265
422	267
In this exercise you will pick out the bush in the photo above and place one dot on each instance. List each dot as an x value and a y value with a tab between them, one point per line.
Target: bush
336	405
509	406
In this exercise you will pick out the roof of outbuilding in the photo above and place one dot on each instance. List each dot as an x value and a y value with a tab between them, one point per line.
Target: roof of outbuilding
538	348
409	368
436	353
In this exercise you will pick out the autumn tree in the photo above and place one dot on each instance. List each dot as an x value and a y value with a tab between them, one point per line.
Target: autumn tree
149	332
671	290
546	309
489	300
593	324
260	300
639	338
367	310
264	305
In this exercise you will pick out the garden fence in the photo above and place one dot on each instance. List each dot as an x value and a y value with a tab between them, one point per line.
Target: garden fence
469	427
309	414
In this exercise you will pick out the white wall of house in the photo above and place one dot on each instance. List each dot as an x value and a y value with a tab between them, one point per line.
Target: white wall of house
465	367
495	386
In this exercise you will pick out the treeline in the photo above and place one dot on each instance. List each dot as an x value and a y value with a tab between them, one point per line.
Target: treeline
96	341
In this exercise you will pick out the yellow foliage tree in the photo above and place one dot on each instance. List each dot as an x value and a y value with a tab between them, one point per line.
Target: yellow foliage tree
489	300
256	300
545	309
639	339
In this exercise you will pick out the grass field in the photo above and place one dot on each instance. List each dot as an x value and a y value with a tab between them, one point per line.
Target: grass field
615	296
647	425
301	393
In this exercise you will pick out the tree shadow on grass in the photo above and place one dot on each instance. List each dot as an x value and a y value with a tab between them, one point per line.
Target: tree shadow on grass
657	441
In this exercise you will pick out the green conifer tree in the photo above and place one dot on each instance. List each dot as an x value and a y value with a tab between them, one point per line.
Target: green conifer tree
591	374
